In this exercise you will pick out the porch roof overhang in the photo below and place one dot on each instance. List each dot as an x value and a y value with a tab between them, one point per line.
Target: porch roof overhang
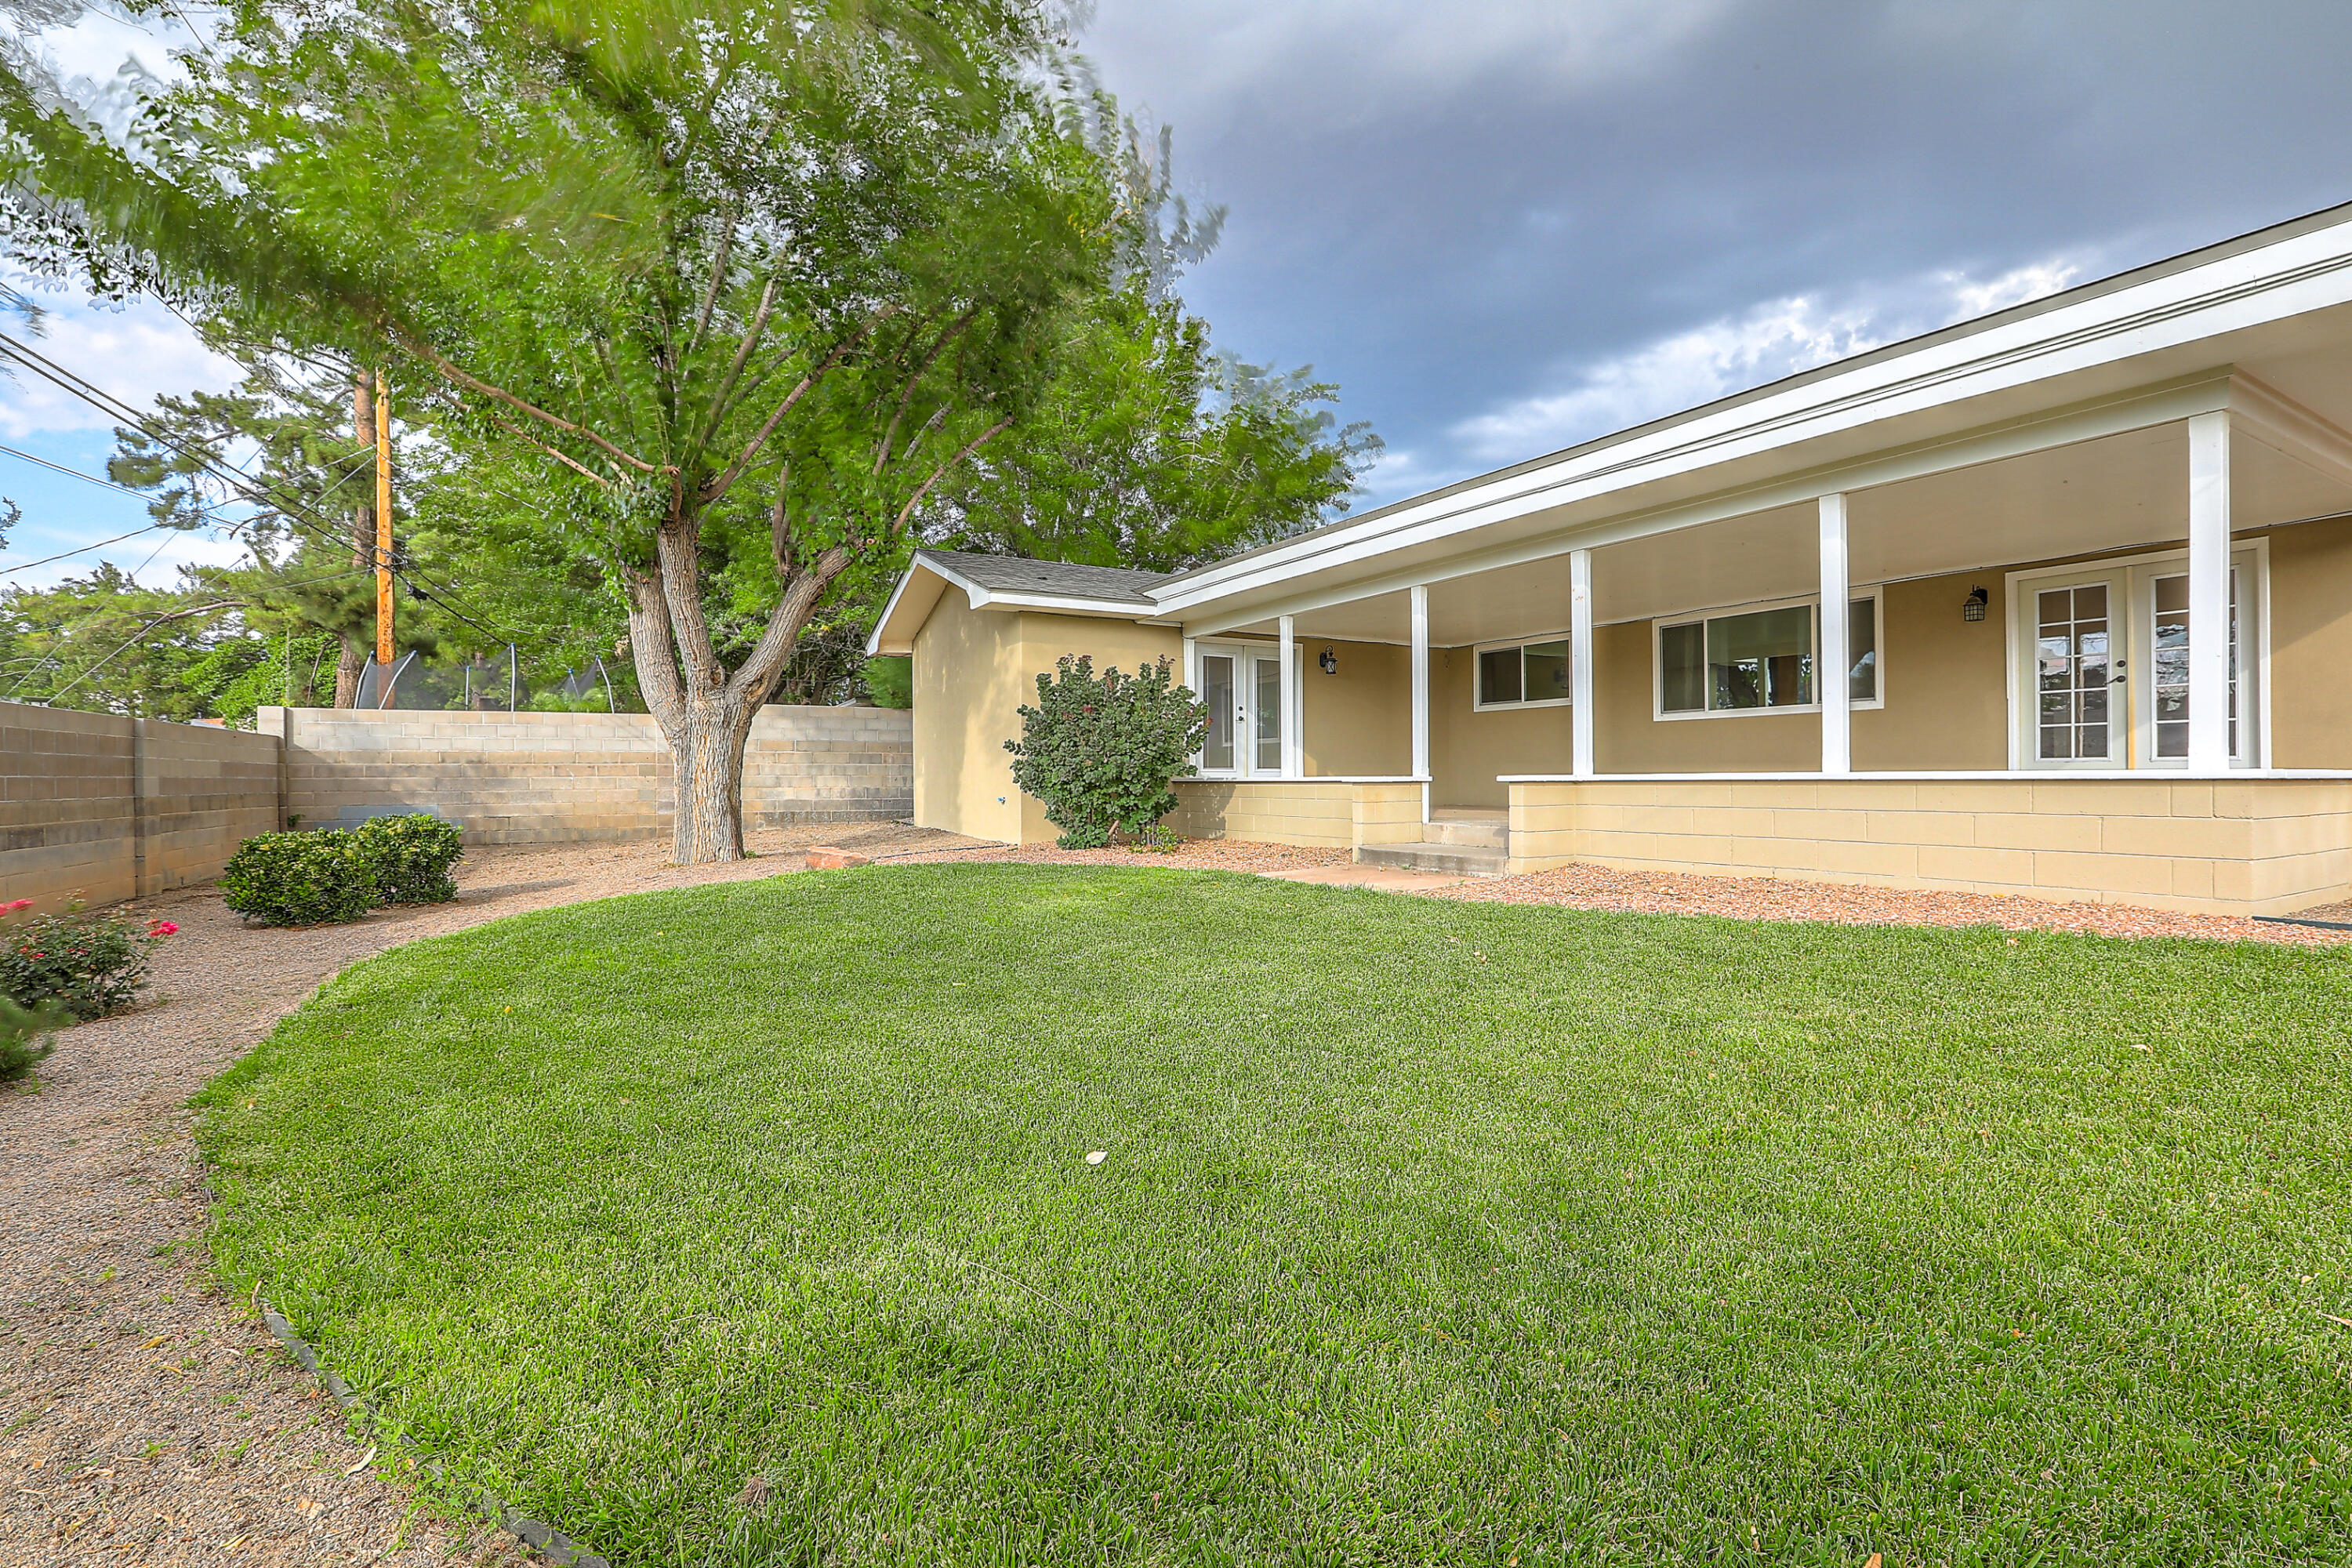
2084	389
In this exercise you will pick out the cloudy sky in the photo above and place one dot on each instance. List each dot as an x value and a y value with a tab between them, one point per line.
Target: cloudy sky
1505	226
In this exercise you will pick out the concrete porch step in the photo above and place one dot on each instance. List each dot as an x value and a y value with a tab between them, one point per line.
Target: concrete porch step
1469	830
1454	860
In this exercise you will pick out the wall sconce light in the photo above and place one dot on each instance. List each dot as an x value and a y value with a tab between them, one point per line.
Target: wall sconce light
1330	661
1972	609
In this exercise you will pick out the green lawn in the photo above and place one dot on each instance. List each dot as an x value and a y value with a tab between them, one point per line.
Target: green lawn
1428	1232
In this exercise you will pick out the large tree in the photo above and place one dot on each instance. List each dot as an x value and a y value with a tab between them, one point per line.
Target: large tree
737	282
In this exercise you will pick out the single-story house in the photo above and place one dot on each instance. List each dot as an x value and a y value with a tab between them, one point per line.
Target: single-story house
2087	564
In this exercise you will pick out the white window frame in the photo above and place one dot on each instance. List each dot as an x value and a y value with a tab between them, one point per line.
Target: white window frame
1875	592
1478	704
2138	570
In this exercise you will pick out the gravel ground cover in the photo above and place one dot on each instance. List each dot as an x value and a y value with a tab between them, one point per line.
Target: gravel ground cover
1774	898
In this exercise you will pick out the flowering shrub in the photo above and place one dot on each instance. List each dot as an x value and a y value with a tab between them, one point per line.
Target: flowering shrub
1101	753
300	878
89	965
411	857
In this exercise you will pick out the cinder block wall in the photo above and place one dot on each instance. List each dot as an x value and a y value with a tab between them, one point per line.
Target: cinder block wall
542	778
99	807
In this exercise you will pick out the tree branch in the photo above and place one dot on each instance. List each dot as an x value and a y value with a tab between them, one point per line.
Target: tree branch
580	469
441	362
757	675
719	487
743	353
941	473
650	650
914	378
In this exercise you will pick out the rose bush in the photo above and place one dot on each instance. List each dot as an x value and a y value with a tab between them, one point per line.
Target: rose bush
88	965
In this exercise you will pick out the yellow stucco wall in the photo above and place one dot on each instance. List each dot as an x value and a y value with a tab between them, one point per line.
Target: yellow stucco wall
1468	750
967	684
1358	723
2311	645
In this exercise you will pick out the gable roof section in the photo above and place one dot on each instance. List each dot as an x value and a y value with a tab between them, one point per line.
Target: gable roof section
1012	575
1008	581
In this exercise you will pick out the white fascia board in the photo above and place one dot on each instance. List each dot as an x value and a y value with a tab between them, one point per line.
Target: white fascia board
2296	275
882	622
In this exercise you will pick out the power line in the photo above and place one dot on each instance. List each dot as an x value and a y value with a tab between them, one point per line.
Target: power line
292	509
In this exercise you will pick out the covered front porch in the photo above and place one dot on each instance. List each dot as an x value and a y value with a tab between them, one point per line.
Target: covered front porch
2018	698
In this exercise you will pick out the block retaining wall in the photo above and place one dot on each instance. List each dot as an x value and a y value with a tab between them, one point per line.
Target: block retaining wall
100	808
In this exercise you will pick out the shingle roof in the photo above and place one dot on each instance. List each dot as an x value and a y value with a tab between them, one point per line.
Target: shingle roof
1014	574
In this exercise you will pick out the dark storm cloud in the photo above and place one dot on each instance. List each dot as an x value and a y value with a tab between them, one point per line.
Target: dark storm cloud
1506	226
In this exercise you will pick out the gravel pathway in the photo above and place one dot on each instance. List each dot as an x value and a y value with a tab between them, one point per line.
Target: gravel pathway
143	1419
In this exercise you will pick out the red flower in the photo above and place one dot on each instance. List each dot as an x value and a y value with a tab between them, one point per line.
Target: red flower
20	904
163	928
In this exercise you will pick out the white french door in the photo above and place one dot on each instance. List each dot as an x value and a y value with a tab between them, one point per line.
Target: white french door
2103	663
2077	702
2160	647
1242	689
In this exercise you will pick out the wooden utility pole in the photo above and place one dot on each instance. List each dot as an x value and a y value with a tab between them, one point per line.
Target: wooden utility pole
353	662
383	532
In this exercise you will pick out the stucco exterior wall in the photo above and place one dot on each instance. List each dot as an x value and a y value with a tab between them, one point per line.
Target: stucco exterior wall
1358	721
1468	750
1124	645
2311	645
967	686
2253	846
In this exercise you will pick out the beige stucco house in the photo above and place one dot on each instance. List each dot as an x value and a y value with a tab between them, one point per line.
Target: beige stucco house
2089	569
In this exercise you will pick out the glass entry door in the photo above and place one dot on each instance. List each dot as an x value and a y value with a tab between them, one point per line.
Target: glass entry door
2074	629
1221	695
1242	689
2161	730
2103	664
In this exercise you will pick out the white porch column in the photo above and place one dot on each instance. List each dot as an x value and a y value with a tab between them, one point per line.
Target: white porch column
1837	706
1420	596
1579	662
2209	594
1293	766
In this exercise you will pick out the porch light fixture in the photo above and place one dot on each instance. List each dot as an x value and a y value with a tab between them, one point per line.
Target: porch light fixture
1972	609
1330	661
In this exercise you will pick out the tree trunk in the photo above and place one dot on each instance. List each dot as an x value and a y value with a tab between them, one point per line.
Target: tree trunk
705	715
706	762
349	666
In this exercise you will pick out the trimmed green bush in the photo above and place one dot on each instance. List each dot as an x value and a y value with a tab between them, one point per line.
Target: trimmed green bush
24	1033
89	965
300	878
411	856
1101	752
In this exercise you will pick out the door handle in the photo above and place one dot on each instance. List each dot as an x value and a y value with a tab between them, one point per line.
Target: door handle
2122	674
